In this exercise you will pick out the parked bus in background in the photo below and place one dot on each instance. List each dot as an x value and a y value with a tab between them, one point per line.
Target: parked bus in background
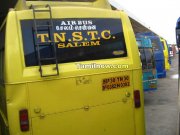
158	53
166	53
170	53
178	45
174	50
177	50
69	68
148	63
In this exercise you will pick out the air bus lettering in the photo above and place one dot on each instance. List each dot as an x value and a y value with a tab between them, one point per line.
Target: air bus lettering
68	23
85	22
63	23
71	23
68	27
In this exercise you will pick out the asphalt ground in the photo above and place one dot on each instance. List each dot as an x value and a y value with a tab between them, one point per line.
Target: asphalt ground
161	106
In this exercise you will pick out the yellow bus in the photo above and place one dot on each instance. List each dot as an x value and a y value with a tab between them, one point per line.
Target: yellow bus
166	53
69	68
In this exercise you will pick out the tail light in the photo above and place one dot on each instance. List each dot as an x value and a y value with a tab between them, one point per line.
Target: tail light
24	121
137	99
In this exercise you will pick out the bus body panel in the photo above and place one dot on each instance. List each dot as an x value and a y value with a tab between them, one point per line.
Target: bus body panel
21	5
161	73
166	54
74	99
137	82
81	108
17	99
94	121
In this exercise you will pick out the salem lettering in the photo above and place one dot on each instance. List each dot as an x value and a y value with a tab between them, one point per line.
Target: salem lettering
76	44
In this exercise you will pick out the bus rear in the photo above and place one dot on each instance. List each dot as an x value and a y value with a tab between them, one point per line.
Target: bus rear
169	53
71	70
159	57
148	63
158	53
178	32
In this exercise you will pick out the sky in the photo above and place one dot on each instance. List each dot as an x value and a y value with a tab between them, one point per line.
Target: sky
159	15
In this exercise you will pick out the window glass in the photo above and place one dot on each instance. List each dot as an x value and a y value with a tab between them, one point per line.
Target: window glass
155	43
143	58
170	48
75	40
149	58
163	45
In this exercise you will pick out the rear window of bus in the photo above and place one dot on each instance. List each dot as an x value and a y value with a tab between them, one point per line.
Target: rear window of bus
147	58
155	44
163	45
143	58
75	40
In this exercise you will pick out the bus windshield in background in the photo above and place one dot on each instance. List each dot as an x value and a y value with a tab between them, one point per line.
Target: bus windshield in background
163	45
178	32
147	58
155	43
143	59
76	40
